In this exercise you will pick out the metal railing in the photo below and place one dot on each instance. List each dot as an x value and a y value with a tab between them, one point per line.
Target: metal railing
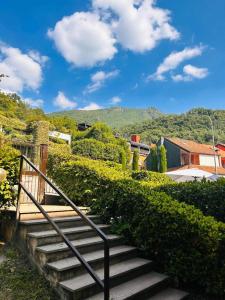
103	284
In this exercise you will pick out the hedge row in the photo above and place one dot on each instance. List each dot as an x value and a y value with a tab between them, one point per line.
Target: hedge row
208	196
98	150
185	243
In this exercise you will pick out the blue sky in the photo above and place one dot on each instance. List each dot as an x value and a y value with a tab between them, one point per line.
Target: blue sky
135	53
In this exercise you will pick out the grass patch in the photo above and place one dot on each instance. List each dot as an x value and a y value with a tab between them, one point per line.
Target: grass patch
19	281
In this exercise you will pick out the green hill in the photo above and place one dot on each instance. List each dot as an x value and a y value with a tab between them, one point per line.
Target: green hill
193	125
115	117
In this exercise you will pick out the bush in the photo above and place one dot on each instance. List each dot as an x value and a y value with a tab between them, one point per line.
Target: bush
186	244
135	162
152	177
9	161
209	197
97	150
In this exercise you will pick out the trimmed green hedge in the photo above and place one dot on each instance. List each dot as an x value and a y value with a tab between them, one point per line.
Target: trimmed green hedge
98	150
186	244
208	196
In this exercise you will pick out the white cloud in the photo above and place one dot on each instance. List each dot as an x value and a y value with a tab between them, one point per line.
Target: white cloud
91	106
98	79
138	25
83	39
35	55
172	61
88	38
35	103
195	72
191	72
24	72
115	100
62	102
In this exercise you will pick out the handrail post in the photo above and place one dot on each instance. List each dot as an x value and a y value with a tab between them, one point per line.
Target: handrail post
106	270
19	188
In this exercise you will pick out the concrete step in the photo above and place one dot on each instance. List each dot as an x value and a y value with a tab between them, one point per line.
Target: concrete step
138	288
64	222
169	294
83	286
40	238
69	267
53	252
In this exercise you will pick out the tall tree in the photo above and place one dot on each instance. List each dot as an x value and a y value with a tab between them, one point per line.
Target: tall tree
162	159
135	164
152	160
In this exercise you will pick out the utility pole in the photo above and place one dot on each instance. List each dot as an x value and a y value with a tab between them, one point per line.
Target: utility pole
214	146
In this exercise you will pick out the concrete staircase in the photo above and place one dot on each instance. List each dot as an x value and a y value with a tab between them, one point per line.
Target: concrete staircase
131	277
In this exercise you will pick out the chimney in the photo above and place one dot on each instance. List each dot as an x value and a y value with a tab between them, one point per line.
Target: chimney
136	138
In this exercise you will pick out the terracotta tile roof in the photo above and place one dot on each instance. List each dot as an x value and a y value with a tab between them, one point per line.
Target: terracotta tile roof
220	170
195	147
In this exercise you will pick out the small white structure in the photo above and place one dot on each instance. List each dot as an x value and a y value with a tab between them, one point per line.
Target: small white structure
191	172
64	136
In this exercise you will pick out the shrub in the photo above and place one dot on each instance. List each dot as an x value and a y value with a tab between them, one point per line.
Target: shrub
152	177
123	160
97	150
152	160
135	163
209	197
185	243
162	159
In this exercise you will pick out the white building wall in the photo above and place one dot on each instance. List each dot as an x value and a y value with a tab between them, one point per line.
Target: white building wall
209	160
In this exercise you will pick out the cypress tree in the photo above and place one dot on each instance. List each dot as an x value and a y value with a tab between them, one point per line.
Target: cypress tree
152	160
135	165
162	159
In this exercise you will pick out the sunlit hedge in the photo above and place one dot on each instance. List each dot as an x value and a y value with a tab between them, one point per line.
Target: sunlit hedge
186	244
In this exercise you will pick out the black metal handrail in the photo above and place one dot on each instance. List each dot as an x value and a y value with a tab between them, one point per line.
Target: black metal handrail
104	285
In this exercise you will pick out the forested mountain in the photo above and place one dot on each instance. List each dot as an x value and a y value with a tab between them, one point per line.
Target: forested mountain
194	125
115	117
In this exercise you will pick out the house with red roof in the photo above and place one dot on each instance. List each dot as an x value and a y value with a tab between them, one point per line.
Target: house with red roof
182	153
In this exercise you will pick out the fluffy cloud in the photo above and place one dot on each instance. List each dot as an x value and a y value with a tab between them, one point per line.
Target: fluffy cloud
83	39
35	103
88	38
62	102
115	100
172	61
191	72
139	25
23	70
91	106
98	79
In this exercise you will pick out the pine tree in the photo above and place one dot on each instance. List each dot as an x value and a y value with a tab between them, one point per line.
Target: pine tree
162	159
135	164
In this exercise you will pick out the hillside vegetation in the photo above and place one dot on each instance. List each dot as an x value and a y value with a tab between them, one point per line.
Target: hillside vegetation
115	117
193	125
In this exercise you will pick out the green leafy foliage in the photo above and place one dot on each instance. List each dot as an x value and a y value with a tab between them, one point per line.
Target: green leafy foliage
9	161
186	244
63	124
162	159
193	125
152	160
208	196
97	150
99	142
135	165
152	177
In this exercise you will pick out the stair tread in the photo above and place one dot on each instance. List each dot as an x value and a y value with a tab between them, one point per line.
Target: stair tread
85	280
62	219
169	294
71	262
48	233
80	242
132	287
